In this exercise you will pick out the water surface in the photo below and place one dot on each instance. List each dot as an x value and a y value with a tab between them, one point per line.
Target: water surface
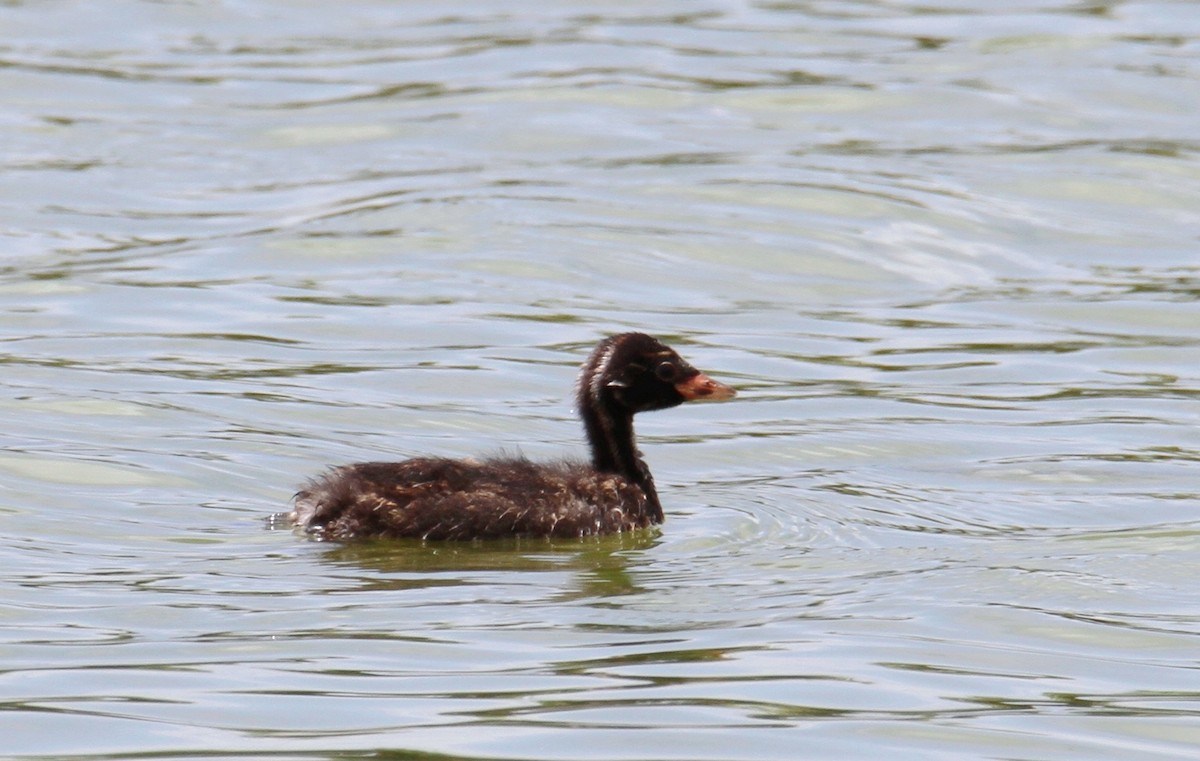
948	255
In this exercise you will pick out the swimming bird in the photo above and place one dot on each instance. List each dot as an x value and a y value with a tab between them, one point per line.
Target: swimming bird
439	498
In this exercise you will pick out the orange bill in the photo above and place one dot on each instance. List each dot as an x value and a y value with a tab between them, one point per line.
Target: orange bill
700	387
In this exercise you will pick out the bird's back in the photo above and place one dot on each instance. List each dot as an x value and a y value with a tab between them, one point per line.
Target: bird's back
435	498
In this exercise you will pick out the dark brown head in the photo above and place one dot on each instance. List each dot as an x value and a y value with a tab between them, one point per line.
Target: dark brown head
633	372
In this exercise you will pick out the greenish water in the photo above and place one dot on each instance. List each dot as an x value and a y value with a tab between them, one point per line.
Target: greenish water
948	255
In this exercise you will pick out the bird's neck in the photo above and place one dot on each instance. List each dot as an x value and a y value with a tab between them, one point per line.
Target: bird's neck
614	450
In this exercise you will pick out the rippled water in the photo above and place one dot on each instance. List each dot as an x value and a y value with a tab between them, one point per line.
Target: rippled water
948	254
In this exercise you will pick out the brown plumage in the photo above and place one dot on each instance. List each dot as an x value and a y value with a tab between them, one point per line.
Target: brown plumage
438	498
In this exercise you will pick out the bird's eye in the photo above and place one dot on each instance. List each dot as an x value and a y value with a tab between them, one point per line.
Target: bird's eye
666	371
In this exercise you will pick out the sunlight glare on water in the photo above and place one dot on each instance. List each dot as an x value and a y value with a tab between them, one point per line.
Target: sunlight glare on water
948	257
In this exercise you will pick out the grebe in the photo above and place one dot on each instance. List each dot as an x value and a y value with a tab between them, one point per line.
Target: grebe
439	498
